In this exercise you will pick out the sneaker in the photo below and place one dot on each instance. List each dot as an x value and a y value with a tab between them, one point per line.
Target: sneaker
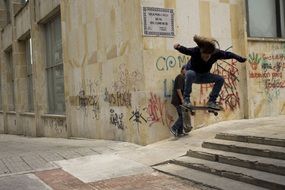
214	105
187	102
187	129
173	132
182	134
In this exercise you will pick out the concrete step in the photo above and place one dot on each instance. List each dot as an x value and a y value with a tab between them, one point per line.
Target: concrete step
204	178
246	148
270	165
254	177
251	139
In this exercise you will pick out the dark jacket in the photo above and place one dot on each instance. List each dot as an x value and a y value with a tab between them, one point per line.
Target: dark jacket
179	83
197	64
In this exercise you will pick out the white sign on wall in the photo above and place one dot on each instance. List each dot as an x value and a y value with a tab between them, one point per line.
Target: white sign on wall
158	22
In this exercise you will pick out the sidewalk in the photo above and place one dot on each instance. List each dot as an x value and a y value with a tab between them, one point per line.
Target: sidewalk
122	165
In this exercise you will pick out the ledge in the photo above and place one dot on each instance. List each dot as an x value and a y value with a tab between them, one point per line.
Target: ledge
11	113
266	39
31	114
53	116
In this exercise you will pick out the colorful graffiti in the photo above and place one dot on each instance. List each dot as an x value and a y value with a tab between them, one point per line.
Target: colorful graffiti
229	96
254	60
157	111
269	69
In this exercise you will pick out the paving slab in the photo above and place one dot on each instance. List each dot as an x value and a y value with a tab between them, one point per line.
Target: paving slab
22	182
16	164
100	167
3	168
36	162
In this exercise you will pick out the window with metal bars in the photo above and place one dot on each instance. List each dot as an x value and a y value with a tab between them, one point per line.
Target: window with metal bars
10	80
29	63
54	67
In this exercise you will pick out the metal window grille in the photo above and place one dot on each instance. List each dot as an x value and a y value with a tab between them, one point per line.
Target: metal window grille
54	67
29	63
1	106
10	81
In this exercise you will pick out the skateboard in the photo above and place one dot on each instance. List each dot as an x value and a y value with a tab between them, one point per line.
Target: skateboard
194	108
186	120
186	111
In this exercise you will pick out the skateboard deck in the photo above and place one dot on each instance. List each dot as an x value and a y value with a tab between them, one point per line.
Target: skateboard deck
194	108
186	111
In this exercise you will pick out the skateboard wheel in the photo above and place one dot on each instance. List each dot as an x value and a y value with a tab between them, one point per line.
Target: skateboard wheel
215	113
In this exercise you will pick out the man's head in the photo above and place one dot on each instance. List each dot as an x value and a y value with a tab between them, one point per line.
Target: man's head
183	69
206	45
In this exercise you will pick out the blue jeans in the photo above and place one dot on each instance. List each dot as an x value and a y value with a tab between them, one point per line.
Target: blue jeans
193	77
178	125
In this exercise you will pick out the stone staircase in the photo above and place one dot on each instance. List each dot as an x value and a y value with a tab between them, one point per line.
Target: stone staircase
234	162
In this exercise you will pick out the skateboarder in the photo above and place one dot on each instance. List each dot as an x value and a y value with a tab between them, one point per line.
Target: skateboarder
203	56
177	100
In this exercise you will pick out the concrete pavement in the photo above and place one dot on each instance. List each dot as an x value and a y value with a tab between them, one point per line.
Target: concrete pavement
24	154
97	162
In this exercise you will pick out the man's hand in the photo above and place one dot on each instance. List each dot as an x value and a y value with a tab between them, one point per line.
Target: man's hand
176	46
241	59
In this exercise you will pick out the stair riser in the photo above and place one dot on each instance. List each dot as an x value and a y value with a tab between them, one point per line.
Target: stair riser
252	139
245	150
231	175
238	162
184	178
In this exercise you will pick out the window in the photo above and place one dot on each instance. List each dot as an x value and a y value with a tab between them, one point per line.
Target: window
10	81
266	18
1	106
54	67
7	6
29	63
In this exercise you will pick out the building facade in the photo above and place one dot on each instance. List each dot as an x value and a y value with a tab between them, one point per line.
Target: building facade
105	69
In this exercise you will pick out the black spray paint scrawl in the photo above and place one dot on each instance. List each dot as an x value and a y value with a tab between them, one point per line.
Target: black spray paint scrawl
116	119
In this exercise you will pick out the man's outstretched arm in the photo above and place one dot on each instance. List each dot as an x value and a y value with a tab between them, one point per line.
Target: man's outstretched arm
229	55
184	50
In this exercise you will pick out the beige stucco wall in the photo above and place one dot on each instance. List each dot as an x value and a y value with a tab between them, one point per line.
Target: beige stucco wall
28	124
266	78
103	67
6	39
44	9
219	19
12	124
54	126
23	22
113	72
2	123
